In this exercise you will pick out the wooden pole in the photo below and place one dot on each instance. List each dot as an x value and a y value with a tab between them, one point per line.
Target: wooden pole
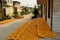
41	10
51	14
46	11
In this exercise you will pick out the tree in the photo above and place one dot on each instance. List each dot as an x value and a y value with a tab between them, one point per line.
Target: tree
15	13
35	12
25	11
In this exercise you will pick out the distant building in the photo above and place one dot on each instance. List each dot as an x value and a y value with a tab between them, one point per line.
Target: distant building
16	5
9	7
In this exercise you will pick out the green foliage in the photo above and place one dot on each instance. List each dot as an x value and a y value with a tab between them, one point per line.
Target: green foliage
33	17
15	14
1	19
35	12
39	7
4	3
25	11
5	18
0	10
8	17
22	13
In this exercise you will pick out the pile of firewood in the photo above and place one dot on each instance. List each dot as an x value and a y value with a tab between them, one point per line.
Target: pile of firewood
32	30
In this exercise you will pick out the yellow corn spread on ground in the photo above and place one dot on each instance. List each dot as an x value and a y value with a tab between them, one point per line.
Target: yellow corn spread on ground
43	29
32	30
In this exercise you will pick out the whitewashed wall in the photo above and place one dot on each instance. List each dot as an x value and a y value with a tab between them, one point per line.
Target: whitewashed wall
9	11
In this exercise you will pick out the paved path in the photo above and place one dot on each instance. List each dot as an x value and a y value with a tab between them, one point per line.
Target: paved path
7	28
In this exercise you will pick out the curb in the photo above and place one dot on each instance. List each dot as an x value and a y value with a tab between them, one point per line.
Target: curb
6	21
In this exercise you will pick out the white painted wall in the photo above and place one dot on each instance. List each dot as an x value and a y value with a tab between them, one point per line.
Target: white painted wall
9	11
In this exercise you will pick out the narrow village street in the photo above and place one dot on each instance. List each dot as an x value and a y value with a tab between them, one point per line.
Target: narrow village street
29	19
7	28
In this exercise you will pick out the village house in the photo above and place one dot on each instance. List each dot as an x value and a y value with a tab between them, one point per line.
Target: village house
9	8
17	7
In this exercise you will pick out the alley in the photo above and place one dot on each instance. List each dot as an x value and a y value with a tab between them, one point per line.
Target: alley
7	28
